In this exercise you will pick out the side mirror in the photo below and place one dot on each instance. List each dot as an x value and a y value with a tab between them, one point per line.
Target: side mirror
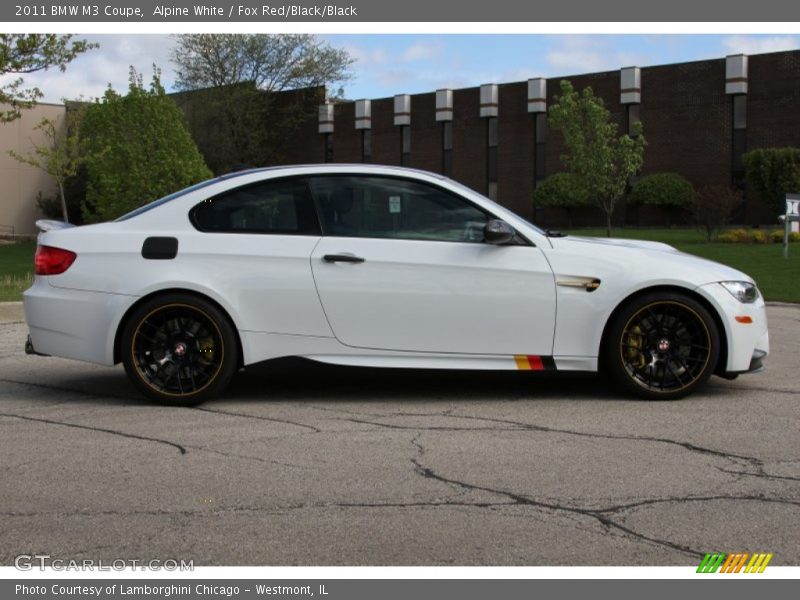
498	232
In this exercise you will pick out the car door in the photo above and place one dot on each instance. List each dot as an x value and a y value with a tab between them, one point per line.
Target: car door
254	243
402	265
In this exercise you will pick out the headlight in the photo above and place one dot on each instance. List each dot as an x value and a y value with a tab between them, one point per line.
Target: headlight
743	291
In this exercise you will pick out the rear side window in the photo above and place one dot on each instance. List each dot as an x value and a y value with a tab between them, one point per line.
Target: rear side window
276	207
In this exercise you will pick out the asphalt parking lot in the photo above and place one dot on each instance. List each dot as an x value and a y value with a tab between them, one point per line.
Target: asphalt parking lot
312	464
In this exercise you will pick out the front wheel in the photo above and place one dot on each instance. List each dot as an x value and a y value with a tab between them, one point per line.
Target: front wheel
661	346
179	349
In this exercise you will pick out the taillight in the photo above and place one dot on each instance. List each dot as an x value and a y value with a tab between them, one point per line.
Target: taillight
52	261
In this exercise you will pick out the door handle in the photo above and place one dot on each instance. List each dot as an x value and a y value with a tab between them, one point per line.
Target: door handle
348	258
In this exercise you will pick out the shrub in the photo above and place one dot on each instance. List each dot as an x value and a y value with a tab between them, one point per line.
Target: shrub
562	190
668	190
662	189
734	236
136	149
756	236
771	173
712	207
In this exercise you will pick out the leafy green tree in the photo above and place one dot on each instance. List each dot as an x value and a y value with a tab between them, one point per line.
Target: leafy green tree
22	54
668	190
137	149
233	83
59	157
562	190
594	150
772	173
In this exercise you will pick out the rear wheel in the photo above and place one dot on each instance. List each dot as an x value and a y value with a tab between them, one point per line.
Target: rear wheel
661	346
179	349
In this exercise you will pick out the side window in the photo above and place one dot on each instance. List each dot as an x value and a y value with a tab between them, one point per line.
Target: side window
385	207
278	207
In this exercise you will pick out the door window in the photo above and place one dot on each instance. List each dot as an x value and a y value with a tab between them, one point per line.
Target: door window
385	207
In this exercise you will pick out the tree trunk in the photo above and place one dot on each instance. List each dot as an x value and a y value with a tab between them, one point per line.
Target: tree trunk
608	224
63	202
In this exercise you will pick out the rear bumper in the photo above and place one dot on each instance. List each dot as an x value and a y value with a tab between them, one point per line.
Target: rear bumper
72	323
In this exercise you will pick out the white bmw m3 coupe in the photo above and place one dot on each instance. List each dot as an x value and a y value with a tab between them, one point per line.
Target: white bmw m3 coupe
382	267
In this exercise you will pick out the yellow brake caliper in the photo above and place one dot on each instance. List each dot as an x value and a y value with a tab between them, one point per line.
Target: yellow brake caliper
635	344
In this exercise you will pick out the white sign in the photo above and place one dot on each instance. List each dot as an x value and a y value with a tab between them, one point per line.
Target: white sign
792	207
394	204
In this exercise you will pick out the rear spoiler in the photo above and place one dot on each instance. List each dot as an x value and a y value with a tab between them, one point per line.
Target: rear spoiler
50	225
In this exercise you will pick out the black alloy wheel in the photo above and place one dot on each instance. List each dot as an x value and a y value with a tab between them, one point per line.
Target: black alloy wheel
179	349
662	346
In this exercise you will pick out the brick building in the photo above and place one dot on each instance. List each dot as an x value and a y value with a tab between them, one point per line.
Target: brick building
699	118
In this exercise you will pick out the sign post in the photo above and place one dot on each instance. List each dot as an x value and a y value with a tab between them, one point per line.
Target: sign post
792	216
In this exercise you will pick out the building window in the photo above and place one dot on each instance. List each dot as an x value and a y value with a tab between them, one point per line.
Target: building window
540	148
491	157
739	144
328	147
405	145
634	116
447	148
740	112
366	145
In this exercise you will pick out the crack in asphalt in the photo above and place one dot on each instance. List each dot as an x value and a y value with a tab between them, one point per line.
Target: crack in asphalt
246	457
760	474
134	436
519	426
601	515
258	417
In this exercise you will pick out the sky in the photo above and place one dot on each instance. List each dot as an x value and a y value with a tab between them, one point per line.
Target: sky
390	64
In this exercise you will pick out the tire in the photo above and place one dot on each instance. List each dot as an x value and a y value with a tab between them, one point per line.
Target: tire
179	349
661	346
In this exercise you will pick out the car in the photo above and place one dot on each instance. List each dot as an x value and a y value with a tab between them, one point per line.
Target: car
377	266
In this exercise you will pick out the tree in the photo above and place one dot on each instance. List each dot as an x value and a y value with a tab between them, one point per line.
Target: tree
22	54
137	149
273	62
59	157
562	190
668	190
712	207
772	173
233	103
594	151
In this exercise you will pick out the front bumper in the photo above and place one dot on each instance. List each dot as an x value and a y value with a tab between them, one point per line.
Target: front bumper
745	332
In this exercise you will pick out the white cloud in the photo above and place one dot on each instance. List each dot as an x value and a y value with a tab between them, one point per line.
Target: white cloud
756	44
89	75
421	51
578	54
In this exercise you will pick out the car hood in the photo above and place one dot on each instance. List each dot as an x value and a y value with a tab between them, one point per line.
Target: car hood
649	257
621	242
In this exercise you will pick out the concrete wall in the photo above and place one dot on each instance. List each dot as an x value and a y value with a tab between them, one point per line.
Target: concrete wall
21	183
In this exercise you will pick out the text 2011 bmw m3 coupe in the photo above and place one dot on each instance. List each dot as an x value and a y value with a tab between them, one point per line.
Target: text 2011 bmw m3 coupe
383	267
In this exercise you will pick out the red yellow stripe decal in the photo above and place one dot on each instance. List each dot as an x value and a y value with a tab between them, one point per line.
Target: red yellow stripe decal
531	362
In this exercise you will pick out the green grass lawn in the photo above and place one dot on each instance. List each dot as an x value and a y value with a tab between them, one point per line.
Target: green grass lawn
777	278
16	269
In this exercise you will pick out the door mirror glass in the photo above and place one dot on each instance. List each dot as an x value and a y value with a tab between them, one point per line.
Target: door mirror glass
498	232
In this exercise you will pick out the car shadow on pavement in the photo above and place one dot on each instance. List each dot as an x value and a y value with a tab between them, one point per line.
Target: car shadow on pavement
294	379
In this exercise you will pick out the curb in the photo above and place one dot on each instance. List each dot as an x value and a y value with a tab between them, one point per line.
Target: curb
11	312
